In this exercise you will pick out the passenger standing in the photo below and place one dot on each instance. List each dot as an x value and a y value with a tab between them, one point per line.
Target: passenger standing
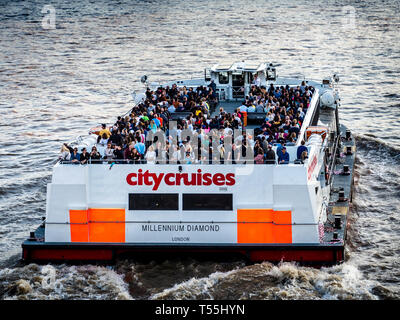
104	139
284	157
95	155
301	149
259	159
65	154
102	131
213	86
135	156
109	152
84	156
150	155
140	147
75	156
270	157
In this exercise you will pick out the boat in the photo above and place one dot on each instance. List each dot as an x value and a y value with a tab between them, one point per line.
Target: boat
287	207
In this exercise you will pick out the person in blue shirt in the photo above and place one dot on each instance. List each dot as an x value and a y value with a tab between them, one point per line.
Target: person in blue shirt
284	157
75	156
277	93
156	121
152	126
279	149
140	147
301	149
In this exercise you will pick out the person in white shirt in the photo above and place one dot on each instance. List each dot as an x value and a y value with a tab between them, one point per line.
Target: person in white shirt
65	154
301	112
150	155
109	152
104	140
257	81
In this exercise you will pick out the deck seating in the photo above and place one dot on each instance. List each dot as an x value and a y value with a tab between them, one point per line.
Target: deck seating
128	135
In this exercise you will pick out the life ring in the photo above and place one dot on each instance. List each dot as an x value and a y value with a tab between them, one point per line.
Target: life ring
95	130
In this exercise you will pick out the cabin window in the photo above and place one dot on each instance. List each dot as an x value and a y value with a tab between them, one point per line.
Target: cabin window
153	201
207	201
223	78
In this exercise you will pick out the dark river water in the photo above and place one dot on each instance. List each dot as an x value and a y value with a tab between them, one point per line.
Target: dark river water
56	83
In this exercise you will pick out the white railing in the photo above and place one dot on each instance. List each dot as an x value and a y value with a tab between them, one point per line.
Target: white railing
308	117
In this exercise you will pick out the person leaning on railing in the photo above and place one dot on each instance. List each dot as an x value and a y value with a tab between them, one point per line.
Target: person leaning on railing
95	155
283	157
84	157
270	156
259	158
118	153
75	156
301	149
65	153
109	152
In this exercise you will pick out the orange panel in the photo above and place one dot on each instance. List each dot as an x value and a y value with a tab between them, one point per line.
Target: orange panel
106	225
79	225
283	227
255	226
253	230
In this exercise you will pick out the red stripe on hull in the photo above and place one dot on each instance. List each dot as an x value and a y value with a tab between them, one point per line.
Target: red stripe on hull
68	254
308	256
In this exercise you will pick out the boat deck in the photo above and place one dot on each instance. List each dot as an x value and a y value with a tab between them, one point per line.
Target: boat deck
341	175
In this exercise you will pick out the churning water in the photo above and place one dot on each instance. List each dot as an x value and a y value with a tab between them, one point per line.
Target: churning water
58	82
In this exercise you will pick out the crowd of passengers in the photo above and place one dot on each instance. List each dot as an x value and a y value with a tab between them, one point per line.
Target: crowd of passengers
285	108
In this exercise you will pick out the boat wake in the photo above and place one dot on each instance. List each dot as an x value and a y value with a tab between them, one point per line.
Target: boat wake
258	281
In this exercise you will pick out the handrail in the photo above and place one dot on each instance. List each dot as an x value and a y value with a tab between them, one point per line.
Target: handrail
175	162
309	115
330	170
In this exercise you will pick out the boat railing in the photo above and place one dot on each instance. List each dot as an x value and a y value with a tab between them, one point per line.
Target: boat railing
335	152
177	162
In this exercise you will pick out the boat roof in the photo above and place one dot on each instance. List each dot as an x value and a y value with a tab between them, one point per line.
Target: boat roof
252	66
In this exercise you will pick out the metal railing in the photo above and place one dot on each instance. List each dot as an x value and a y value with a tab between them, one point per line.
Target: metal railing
333	162
178	162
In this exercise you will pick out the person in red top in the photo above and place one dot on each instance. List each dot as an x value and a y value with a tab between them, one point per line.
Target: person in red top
160	119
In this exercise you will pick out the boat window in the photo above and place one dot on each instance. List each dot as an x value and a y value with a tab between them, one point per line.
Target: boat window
154	201
223	78
207	201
